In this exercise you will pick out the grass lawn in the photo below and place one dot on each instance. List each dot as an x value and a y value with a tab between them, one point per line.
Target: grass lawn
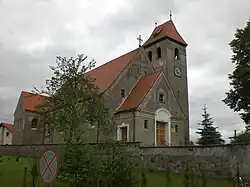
156	179
12	175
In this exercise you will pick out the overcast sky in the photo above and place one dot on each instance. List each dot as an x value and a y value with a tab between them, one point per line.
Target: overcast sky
34	32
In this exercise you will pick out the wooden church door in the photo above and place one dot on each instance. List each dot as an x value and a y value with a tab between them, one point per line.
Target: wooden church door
160	133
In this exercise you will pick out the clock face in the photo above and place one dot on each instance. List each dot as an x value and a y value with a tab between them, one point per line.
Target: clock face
177	72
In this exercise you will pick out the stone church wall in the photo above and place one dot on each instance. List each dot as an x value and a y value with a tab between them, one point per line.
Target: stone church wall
219	161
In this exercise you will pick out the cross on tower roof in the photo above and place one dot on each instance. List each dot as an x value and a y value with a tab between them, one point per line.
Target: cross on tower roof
140	40
170	15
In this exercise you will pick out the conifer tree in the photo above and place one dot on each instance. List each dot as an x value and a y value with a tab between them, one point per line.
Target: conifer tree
208	132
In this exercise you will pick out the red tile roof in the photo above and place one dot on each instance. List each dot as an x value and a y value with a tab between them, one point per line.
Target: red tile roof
31	100
7	126
166	29
139	92
106	74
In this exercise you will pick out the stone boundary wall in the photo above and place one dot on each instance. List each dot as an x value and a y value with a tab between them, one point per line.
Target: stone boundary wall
216	160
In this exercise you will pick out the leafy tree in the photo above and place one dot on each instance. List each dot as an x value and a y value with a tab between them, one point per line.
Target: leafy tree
242	137
191	143
75	109
208	133
73	105
238	97
72	108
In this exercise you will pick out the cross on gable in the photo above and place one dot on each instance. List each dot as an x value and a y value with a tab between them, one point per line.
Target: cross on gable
140	40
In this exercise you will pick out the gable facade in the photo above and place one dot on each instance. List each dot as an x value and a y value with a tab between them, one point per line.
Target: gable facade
28	123
5	133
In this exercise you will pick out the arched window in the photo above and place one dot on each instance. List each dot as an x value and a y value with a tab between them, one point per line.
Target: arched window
161	98
34	123
158	52
150	56
176	54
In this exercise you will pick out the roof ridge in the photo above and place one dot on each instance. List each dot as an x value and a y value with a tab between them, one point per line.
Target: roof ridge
112	60
163	23
23	91
158	27
105	75
34	94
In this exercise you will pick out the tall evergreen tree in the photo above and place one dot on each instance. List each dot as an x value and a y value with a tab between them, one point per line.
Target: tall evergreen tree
208	132
238	97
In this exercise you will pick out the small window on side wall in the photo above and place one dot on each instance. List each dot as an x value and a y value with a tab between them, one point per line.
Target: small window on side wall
145	124
34	123
176	54
158	52
176	129
150	56
161	98
123	93
7	134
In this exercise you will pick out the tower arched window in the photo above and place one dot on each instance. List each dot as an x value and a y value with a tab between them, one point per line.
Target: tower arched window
176	54
158	52
161	97
150	56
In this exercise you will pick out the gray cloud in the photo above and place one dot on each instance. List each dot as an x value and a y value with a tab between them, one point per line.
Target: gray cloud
33	32
134	18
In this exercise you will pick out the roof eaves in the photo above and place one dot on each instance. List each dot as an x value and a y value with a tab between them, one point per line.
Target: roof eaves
148	44
126	110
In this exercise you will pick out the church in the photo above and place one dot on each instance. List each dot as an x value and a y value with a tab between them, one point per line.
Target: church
145	90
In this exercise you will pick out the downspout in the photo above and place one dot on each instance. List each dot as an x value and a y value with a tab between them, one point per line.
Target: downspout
133	111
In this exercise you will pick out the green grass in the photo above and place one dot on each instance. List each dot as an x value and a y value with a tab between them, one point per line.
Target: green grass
159	179
12	175
12	172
